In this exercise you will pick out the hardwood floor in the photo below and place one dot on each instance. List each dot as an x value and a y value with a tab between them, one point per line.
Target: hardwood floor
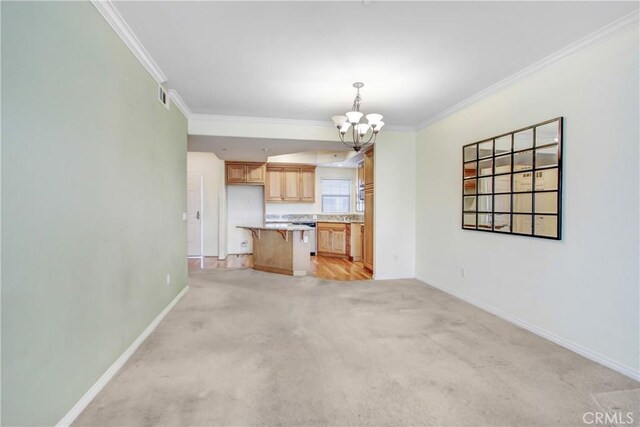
338	269
321	267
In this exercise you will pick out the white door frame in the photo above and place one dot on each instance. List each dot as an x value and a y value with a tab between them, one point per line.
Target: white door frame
201	256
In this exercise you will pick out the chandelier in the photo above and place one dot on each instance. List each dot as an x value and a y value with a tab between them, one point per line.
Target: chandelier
362	134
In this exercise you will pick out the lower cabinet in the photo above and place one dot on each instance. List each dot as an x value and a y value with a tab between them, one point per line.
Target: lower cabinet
333	239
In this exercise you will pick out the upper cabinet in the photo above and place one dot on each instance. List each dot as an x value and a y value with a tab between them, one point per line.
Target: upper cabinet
290	183
308	185
245	173
368	168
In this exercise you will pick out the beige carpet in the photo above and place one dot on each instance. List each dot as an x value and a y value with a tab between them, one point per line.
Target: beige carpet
251	348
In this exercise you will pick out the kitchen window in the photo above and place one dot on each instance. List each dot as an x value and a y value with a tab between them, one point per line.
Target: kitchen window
336	195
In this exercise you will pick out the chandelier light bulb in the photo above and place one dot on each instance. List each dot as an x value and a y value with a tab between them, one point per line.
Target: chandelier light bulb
354	117
345	127
374	119
362	128
339	121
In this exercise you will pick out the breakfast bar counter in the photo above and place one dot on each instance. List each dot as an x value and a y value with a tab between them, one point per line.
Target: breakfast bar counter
279	248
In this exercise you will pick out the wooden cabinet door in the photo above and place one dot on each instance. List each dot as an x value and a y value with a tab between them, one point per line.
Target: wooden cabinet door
273	185
324	240
368	168
291	184
367	255
307	185
339	242
236	173
255	174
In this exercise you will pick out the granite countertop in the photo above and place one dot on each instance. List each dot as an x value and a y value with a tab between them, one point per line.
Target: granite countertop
316	217
279	227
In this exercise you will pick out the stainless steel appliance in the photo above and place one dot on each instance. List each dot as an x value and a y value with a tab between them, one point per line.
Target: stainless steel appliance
312	235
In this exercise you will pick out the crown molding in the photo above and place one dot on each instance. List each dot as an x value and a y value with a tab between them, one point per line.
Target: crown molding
179	102
599	36
122	29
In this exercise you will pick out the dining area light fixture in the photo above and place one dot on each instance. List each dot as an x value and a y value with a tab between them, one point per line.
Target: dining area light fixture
362	133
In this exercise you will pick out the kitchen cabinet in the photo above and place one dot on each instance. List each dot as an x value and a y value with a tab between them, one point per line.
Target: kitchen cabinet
355	247
368	239
245	173
292	183
360	187
273	185
333	239
307	185
256	174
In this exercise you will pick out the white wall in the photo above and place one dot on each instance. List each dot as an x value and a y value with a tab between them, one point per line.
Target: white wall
582	291
395	207
245	206
316	208
210	166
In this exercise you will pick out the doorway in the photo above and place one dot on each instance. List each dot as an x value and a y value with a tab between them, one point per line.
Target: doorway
195	230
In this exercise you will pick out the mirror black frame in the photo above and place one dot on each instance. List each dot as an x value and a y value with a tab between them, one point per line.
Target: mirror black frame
536	173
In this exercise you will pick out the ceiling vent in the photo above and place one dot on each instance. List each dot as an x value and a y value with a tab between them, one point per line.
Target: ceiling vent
163	96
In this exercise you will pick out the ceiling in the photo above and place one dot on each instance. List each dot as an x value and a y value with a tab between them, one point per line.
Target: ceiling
257	149
297	60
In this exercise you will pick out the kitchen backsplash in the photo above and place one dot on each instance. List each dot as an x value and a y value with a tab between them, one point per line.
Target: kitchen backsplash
315	217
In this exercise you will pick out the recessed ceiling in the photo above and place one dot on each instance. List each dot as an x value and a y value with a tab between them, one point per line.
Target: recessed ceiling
297	60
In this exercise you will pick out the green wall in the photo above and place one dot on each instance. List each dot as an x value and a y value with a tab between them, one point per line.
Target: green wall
93	190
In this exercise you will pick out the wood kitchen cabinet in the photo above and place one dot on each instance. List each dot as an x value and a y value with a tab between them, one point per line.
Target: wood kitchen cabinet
308	185
245	173
333	239
273	185
292	183
368	240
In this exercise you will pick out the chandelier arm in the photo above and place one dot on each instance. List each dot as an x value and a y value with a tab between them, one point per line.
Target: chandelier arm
373	134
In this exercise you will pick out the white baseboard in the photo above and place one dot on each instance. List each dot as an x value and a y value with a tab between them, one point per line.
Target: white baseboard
576	348
113	369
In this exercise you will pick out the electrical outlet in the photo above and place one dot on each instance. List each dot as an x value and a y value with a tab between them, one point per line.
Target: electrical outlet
168	279
184	216
306	239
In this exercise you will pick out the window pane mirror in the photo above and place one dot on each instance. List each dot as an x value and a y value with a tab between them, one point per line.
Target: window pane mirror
503	145
512	182
503	164
470	186
485	149
469	220
523	140
502	184
470	153
502	223
470	169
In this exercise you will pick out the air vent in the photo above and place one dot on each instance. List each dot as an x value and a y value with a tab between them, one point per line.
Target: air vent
163	97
